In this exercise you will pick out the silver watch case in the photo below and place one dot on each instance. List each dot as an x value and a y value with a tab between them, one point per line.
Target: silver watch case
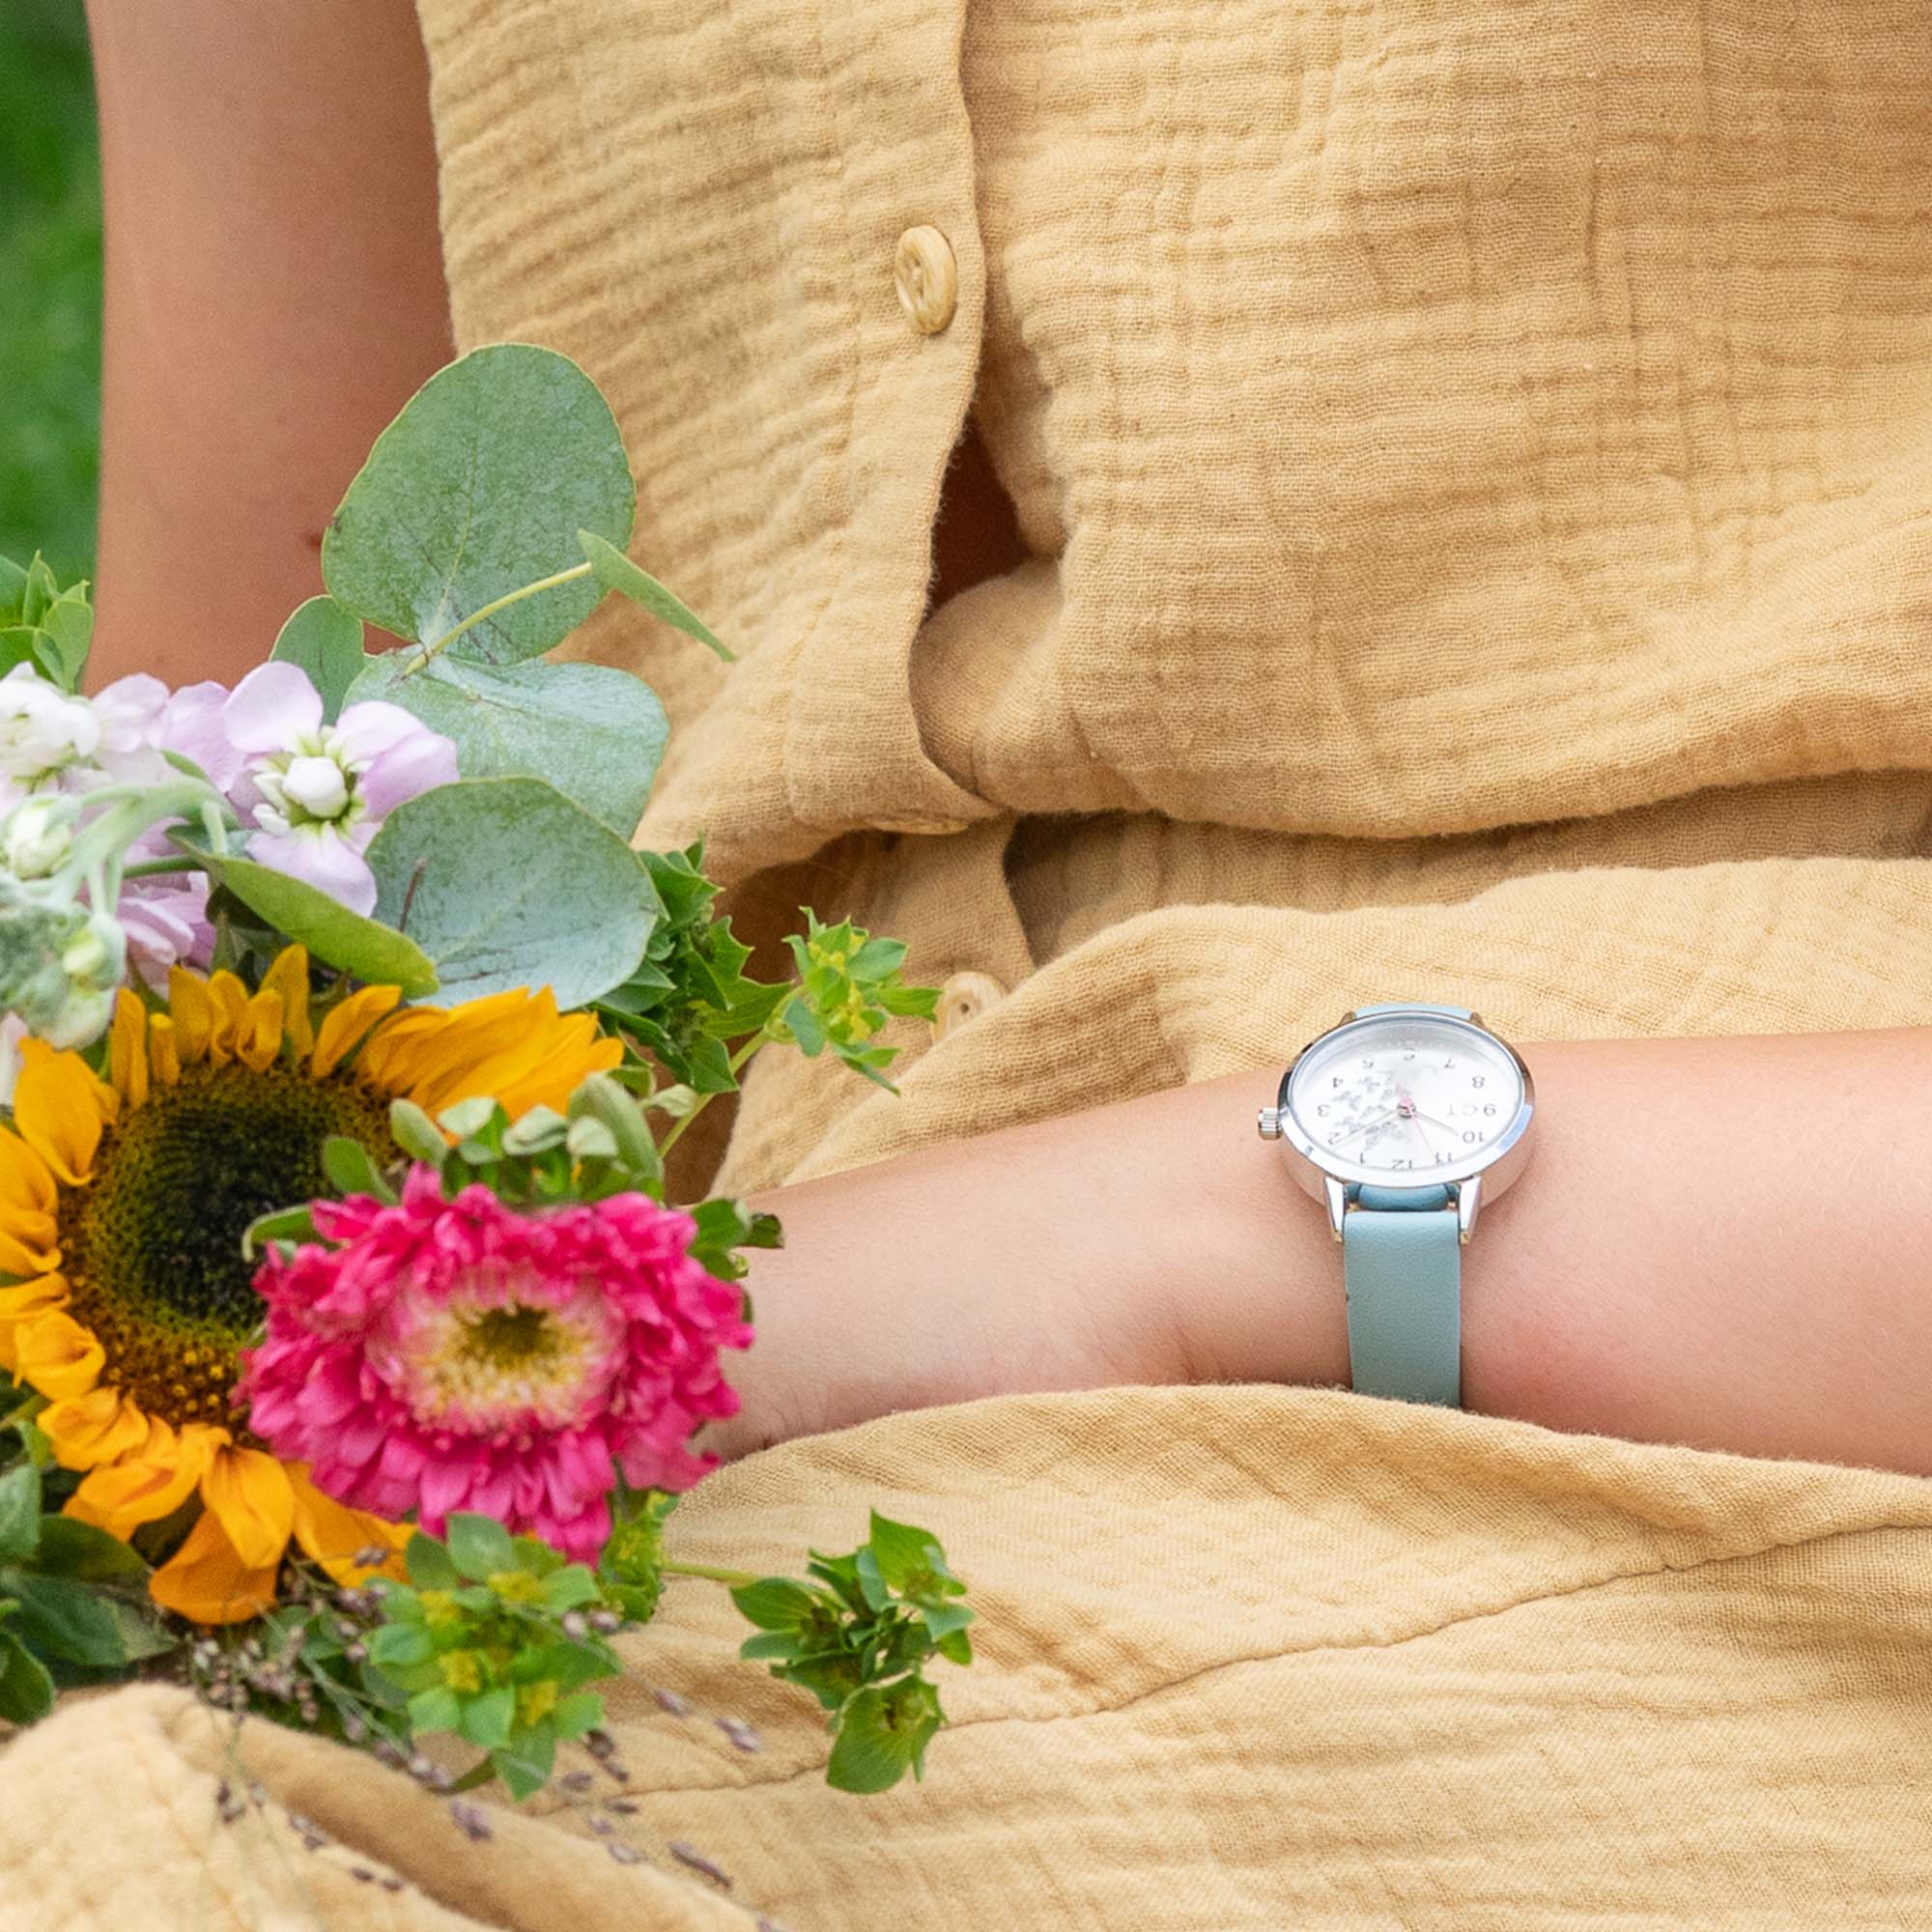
1328	1177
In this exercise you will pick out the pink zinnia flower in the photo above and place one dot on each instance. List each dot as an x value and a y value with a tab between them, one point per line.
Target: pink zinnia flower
469	1356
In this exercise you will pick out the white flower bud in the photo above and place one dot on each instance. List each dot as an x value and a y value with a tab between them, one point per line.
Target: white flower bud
40	835
320	786
42	730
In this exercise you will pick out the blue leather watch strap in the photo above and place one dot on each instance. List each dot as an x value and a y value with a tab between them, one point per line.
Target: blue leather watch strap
1402	1264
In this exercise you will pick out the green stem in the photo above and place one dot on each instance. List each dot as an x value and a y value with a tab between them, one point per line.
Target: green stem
704	1100
736	1579
149	868
431	650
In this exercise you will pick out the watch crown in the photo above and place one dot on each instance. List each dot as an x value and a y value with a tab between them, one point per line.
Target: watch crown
1267	1124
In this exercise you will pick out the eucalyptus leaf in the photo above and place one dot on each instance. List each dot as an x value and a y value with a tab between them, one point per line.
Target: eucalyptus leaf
473	493
324	642
332	933
508	884
618	573
595	733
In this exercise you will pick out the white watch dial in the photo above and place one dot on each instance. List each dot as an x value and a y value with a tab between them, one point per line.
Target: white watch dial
1407	1095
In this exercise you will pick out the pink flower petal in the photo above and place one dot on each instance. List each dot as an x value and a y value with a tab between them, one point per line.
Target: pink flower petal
321	857
641	1328
271	707
412	766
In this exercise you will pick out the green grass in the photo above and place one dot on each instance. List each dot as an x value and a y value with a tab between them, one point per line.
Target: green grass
49	286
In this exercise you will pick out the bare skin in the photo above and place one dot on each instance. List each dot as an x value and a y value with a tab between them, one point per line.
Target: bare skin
274	295
1717	1241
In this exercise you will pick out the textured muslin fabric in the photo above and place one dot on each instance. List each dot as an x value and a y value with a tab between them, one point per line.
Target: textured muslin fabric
1248	1658
1472	459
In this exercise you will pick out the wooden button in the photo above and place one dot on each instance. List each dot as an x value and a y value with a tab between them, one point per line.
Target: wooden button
964	997
927	278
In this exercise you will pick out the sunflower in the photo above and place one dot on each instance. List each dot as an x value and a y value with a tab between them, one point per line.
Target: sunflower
123	1204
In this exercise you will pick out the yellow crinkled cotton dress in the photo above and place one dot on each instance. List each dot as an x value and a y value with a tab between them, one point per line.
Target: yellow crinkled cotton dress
1473	465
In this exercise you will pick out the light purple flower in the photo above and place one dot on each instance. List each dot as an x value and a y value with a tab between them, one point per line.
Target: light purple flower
317	793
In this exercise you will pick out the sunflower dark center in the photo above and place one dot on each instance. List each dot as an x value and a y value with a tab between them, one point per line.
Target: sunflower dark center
153	1249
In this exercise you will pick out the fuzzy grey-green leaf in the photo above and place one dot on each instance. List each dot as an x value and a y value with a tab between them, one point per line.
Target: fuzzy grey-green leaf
324	642
509	884
616	571
595	733
477	488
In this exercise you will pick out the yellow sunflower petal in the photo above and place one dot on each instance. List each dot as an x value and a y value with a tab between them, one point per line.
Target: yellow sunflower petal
289	977
163	1050
229	998
258	1034
193	1012
127	1048
248	1490
513	1045
207	1581
576	1053
99	1426
19	1259
26	1187
397	1054
56	1356
152	1482
334	1533
24	1302
343	1027
59	1108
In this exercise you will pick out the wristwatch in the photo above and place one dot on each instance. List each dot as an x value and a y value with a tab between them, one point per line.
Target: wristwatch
1405	1119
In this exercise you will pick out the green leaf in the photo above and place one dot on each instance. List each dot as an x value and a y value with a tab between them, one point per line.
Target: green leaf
428	1564
831	1676
437	1709
568	1589
480	1546
350	1170
617	572
415	1133
526	1765
285	1224
487	1718
508	885
600	1098
774	1602
901	1551
581	1710
474	492
61	1618
71	1547
323	640
883	1733
397	1646
68	624
20	1512
331	932
595	733
26	1691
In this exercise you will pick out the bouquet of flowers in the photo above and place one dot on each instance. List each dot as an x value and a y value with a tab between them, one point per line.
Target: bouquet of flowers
350	1351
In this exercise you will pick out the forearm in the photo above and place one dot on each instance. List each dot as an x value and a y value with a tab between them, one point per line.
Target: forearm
274	293
1725	1243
